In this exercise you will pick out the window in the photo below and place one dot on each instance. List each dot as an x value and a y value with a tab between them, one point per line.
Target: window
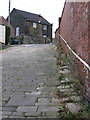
17	31
44	27
34	25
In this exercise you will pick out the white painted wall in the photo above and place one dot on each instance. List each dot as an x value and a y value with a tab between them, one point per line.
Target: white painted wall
2	33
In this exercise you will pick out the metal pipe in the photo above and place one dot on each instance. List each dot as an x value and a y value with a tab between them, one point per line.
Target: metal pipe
9	13
85	64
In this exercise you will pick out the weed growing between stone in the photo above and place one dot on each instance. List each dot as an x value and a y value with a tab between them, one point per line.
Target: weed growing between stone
72	106
61	77
3	47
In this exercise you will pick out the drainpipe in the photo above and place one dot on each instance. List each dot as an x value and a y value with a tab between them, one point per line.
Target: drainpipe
51	32
9	13
9	18
59	26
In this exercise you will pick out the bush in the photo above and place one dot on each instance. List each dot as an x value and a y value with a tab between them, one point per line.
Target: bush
7	35
21	39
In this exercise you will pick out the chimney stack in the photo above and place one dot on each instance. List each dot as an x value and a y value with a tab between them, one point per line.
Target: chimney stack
59	20
40	18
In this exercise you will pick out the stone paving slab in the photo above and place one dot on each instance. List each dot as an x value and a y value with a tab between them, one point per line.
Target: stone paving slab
6	113
9	109
34	113
19	114
48	108
29	79
17	100
27	109
17	117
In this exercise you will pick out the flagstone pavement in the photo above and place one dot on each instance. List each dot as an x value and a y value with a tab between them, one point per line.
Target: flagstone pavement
29	80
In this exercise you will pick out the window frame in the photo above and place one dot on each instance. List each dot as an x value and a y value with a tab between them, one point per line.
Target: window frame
17	31
34	25
45	27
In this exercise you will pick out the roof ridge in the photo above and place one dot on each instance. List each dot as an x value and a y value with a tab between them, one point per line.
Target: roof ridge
18	12
32	16
45	19
28	12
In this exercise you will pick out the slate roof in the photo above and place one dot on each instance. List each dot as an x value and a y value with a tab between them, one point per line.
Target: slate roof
32	17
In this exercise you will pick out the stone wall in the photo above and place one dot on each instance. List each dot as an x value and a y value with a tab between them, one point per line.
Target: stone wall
18	21
35	40
39	30
56	35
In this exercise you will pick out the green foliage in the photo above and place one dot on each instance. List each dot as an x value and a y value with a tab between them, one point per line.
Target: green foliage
21	39
70	115
7	35
5	47
2	48
61	77
75	83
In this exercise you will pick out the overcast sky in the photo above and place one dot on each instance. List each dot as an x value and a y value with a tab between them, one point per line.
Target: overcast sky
49	9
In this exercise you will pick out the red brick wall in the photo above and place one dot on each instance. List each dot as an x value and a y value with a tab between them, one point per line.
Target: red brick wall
3	21
74	29
12	31
56	35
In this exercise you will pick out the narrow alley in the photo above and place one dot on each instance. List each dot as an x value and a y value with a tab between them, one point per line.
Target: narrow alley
45	60
37	84
29	81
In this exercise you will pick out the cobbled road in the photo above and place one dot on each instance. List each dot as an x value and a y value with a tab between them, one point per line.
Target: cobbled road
29	80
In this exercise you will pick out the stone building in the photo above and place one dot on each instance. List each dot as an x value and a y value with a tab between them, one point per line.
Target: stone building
29	24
